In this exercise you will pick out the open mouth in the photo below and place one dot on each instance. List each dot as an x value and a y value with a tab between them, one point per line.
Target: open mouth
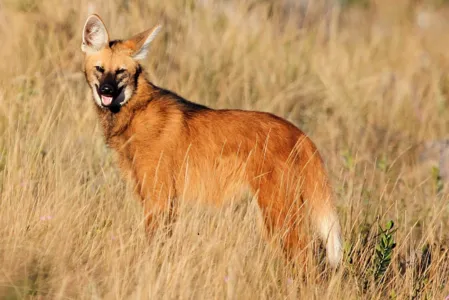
112	100
106	100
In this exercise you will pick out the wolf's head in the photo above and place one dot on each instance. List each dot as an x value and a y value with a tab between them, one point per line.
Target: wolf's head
111	67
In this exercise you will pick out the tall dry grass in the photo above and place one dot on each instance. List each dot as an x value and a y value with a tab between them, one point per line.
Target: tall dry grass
368	84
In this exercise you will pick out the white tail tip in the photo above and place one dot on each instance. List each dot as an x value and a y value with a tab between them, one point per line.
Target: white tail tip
331	233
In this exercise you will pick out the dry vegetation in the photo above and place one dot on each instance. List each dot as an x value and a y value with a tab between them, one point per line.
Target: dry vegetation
367	82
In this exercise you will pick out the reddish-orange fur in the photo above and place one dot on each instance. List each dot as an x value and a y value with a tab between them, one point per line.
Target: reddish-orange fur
175	151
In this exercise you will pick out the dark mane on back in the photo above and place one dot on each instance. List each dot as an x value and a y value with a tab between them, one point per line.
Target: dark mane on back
189	108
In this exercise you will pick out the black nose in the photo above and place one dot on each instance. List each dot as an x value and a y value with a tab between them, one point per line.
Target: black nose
107	89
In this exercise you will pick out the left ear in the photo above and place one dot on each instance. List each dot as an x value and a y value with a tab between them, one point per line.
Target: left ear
140	43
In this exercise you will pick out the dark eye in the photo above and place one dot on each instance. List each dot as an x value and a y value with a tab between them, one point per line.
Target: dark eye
120	71
99	69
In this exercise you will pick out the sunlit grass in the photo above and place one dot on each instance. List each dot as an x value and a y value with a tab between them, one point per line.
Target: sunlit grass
367	83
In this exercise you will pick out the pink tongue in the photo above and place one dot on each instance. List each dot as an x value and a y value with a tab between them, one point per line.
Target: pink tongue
106	100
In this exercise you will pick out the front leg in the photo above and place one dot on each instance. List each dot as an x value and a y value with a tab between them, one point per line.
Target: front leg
156	188
159	203
161	213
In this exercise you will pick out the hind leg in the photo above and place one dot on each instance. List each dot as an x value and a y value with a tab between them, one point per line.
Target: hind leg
284	222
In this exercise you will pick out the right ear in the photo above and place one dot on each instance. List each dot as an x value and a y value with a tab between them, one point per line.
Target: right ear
95	35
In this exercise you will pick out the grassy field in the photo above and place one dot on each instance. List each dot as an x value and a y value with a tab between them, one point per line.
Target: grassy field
369	84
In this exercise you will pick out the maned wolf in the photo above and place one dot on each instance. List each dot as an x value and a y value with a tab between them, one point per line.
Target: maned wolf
176	150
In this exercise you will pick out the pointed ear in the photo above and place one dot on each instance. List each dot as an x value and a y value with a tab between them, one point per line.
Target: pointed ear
140	43
95	35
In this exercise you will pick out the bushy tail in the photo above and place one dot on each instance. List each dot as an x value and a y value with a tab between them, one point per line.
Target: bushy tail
330	231
319	199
